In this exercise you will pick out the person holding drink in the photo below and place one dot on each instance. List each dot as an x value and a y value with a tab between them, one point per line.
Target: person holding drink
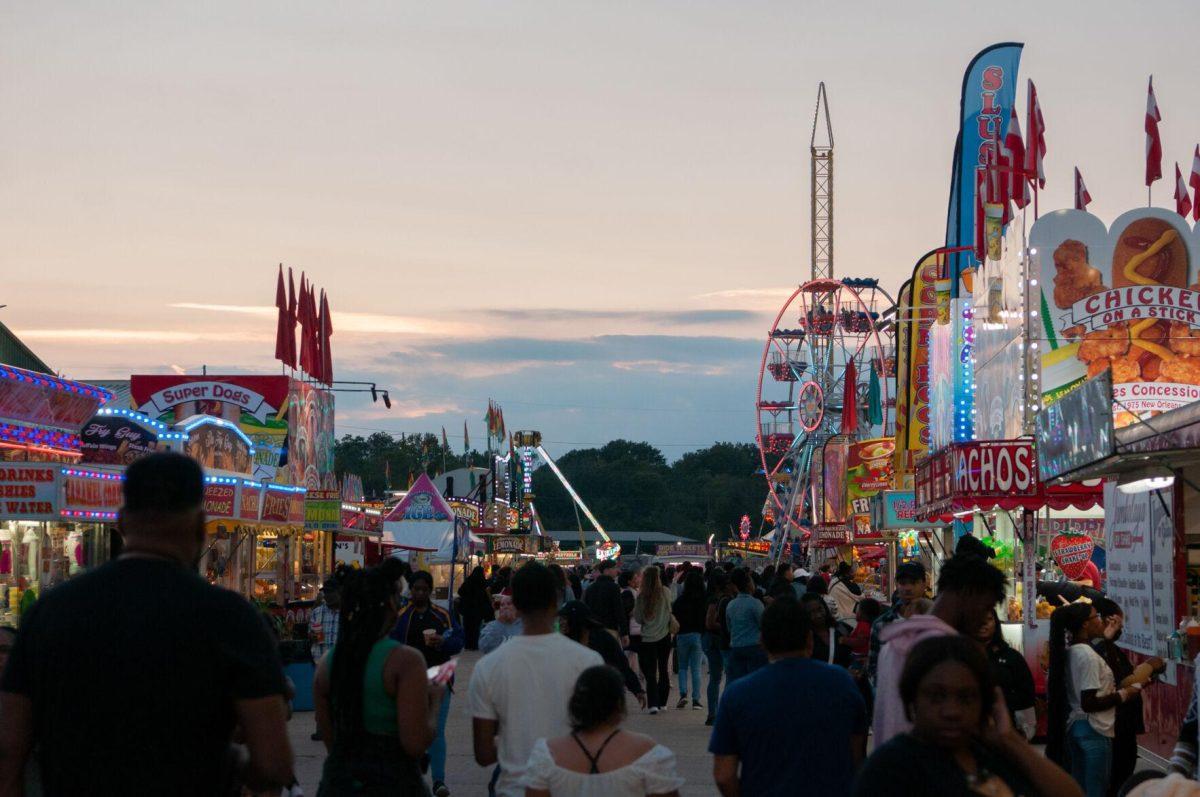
432	632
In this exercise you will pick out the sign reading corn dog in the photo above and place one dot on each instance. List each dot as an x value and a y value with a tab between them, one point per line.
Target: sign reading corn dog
1124	299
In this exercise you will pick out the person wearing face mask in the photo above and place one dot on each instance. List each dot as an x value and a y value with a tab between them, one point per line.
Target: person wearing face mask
1130	722
506	625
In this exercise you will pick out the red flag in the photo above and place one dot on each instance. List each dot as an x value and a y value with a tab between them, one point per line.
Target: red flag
1183	203
302	319
1018	186
311	323
999	175
281	325
980	218
291	336
326	334
1082	197
850	400
1194	182
1035	150
1153	142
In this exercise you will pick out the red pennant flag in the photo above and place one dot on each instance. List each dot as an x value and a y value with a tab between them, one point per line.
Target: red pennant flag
326	334
1183	203
291	334
980	217
302	320
313	334
1035	148
1194	182
1018	185
999	175
850	400
1082	197
1153	142
281	325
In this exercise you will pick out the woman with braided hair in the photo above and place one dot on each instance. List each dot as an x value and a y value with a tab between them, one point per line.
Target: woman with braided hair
376	709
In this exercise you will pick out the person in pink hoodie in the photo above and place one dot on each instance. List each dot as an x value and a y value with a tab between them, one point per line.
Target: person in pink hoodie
968	589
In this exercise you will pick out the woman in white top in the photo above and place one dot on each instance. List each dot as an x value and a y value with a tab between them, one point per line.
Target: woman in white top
599	758
1083	699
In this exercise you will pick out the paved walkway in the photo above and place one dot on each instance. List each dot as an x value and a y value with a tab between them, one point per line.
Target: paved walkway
682	731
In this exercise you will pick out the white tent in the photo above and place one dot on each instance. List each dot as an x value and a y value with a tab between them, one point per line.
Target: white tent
423	521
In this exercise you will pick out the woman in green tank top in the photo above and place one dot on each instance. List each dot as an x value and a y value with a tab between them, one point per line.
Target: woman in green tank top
376	710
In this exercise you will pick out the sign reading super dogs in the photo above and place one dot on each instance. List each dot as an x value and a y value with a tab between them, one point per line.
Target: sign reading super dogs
1125	299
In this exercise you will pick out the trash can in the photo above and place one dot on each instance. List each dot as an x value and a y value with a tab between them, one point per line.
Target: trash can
298	666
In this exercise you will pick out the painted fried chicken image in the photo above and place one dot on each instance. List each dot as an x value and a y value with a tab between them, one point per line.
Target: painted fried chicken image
1105	343
1184	369
1124	369
1075	279
1184	339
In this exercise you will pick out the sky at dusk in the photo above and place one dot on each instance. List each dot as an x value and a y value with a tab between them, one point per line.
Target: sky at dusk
587	211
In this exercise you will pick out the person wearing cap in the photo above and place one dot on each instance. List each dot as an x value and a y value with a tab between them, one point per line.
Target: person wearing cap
325	620
130	679
578	623
506	625
910	587
603	597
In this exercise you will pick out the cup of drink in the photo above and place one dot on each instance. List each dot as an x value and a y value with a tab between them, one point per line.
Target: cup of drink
429	633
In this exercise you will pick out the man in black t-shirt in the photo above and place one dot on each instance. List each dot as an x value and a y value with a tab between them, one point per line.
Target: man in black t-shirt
603	597
131	679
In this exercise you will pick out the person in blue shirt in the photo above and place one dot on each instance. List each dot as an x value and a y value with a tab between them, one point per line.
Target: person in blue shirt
743	615
761	742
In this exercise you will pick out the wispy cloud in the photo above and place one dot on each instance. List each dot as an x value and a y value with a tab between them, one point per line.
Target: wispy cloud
653	317
665	367
99	336
351	322
749	293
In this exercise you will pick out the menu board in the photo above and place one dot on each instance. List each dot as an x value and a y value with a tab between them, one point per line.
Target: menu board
1140	537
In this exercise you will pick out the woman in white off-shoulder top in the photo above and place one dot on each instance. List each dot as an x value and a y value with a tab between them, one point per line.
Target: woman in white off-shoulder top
599	758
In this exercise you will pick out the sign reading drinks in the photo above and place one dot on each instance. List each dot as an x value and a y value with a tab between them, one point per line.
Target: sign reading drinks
1124	299
29	491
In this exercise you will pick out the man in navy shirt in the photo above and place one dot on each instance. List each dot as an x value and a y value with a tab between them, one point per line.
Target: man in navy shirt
795	727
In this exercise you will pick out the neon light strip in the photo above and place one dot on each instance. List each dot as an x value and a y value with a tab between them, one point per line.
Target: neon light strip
93	474
46	380
87	515
145	420
546	458
209	420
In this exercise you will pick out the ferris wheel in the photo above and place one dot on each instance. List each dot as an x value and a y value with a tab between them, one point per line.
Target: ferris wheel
827	331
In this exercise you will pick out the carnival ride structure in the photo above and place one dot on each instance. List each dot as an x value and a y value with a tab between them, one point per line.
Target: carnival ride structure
816	365
526	452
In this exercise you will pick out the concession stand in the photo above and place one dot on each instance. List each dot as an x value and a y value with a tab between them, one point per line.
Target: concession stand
44	537
425	530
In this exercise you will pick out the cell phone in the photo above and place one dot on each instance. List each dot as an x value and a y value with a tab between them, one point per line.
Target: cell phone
442	673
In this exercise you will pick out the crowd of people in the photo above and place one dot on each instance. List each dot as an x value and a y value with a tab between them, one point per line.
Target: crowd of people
141	678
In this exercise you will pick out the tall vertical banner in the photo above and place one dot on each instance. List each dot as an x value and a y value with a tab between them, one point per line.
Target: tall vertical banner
920	321
988	93
903	329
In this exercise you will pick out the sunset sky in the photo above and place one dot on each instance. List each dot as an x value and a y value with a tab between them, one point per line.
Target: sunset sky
587	211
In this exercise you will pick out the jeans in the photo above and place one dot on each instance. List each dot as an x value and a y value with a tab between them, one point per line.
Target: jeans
716	668
437	750
654	660
743	661
687	653
1090	755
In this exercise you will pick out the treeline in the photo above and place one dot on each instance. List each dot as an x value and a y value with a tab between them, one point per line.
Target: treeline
628	486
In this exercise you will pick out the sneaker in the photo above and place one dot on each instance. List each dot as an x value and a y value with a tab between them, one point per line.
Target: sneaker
709	720
682	702
440	790
654	709
696	705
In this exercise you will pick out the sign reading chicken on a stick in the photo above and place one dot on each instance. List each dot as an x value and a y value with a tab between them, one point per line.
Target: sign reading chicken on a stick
1124	298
